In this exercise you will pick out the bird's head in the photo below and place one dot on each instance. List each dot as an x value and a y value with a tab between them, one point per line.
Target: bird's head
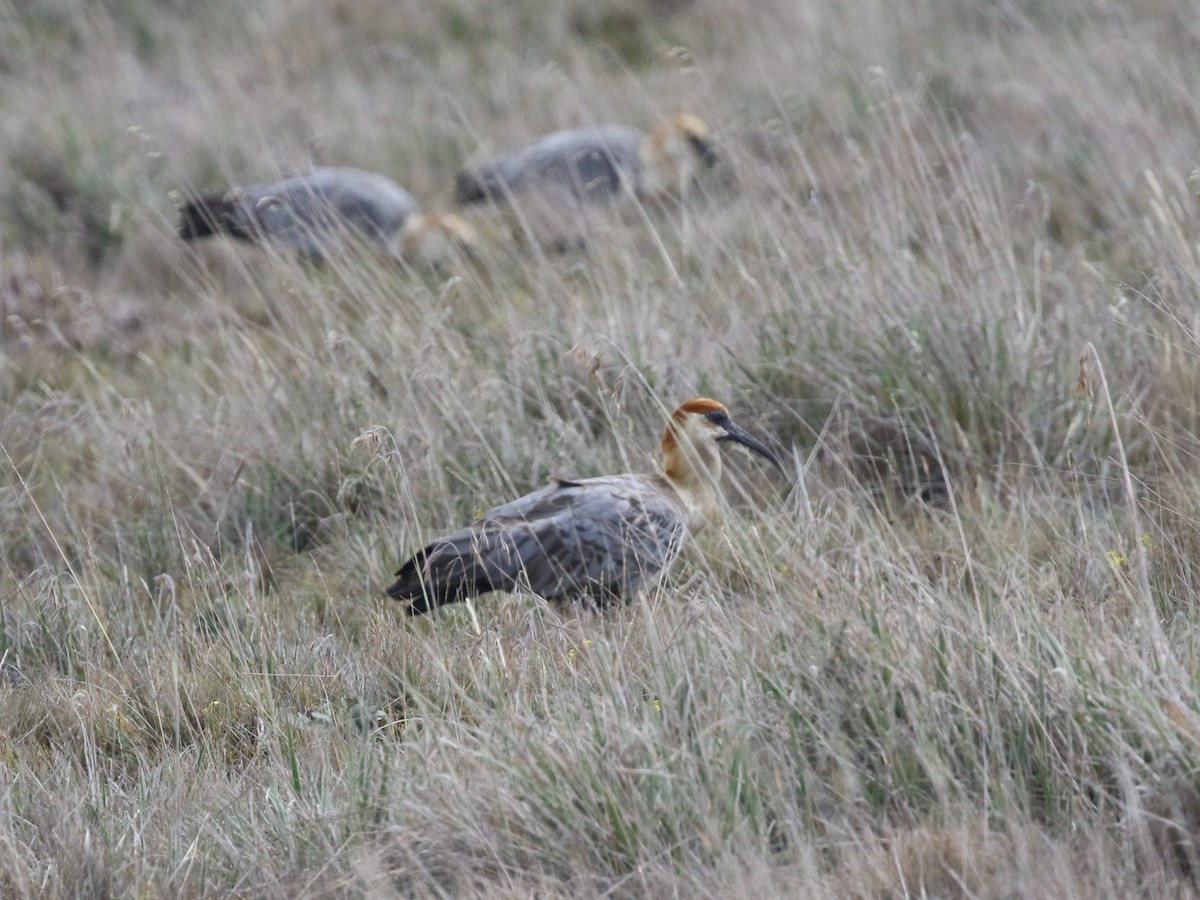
438	241
675	151
690	443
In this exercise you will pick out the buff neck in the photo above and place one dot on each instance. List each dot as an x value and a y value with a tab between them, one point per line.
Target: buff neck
692	466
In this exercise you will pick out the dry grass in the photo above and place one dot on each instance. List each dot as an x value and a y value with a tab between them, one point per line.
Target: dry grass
950	260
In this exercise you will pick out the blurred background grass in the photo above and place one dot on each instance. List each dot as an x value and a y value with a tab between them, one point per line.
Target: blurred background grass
949	261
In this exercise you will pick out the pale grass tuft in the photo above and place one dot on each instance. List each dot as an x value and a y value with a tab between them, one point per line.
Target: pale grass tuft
954	656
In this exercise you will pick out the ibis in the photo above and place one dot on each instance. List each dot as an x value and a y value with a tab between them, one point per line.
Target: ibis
599	539
595	164
313	214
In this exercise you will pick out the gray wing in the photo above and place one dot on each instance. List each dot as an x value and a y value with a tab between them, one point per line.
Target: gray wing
308	212
590	163
602	536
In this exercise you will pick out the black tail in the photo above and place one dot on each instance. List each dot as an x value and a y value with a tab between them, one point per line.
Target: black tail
480	186
448	571
211	214
425	590
410	586
203	217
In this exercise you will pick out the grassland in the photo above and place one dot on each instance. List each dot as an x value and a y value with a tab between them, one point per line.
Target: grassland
950	263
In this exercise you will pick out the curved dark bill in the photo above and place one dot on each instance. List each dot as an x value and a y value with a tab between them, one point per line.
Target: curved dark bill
704	150
738	435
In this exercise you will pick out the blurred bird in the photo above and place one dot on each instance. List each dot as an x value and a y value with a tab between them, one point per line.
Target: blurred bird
591	164
436	240
601	538
314	213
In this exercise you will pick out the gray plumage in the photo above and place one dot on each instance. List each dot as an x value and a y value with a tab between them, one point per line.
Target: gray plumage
599	537
602	538
584	163
308	213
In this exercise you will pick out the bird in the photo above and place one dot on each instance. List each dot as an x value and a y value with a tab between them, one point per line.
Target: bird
599	539
596	164
313	213
436	240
